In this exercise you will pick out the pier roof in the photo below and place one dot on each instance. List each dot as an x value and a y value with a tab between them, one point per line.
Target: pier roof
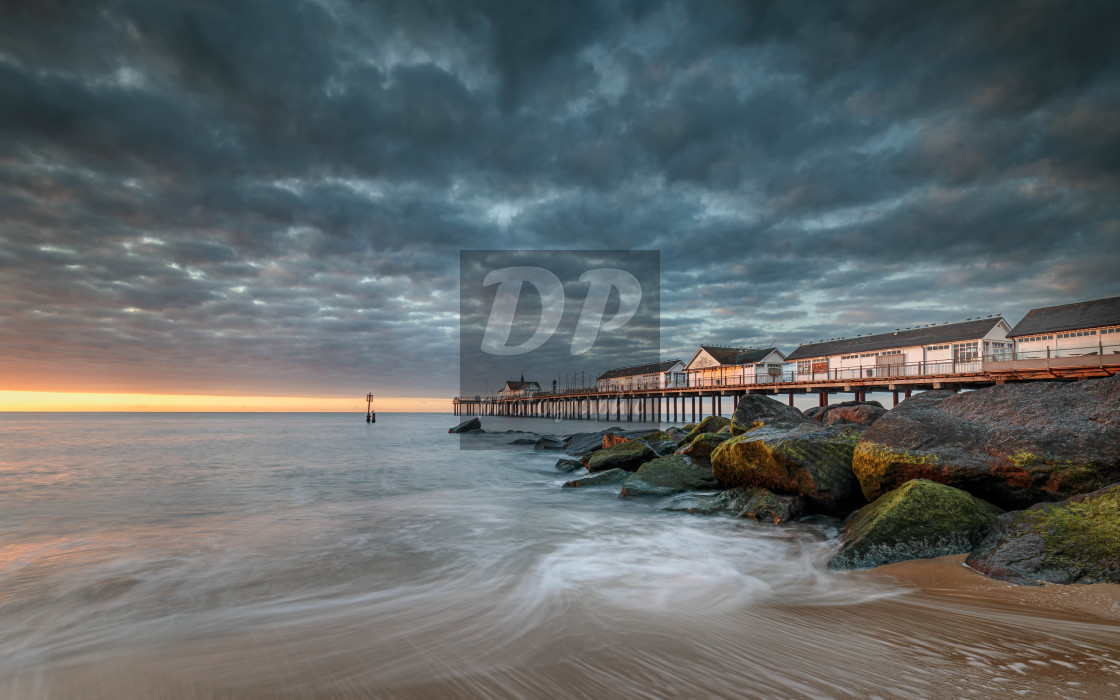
909	337
727	355
1083	314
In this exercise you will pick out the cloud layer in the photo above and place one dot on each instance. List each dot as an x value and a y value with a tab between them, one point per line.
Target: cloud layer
272	196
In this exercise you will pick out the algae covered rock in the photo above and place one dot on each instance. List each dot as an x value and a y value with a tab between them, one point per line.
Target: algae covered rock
609	477
627	455
701	447
804	459
1013	445
1075	541
666	476
711	424
754	410
569	465
919	520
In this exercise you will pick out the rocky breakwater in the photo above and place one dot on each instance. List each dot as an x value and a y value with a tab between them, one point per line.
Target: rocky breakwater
1013	445
777	448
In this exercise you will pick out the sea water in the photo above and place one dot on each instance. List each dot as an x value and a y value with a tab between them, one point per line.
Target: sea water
316	555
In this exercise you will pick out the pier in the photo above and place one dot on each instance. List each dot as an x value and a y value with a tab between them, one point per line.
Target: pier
692	403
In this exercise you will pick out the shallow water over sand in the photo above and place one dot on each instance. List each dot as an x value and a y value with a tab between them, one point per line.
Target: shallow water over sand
312	555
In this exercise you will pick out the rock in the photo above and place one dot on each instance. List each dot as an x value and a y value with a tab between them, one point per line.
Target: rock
1013	445
701	447
569	465
665	476
821	413
754	503
524	441
863	414
920	520
711	424
612	439
676	434
548	443
628	455
766	506
1075	541
664	448
469	424
583	444
803	459
702	503
609	477
754	410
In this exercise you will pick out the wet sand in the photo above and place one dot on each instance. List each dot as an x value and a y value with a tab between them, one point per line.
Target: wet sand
949	578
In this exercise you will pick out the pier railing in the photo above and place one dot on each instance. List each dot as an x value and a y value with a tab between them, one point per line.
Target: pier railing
1000	361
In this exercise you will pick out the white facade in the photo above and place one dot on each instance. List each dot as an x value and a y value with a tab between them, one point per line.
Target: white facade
706	369
662	378
1103	340
906	359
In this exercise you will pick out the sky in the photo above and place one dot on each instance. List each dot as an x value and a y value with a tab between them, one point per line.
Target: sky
269	198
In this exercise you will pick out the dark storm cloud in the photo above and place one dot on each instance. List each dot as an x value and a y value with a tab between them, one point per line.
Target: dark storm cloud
271	196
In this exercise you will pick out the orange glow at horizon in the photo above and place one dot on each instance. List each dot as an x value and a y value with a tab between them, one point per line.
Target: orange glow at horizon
64	401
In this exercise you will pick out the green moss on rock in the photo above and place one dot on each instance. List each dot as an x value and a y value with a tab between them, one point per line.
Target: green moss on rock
1074	541
628	455
666	476
872	462
711	424
919	520
805	459
701	447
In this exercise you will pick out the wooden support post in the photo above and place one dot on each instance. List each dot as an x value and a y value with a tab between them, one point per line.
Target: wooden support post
907	393
694	409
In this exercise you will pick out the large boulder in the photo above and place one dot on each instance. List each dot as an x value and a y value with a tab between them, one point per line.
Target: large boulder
754	410
862	414
609	477
1013	445
701	447
805	459
666	476
711	424
919	520
627	455
467	425
1075	541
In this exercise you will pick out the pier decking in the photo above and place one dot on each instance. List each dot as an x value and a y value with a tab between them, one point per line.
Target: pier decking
687	403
